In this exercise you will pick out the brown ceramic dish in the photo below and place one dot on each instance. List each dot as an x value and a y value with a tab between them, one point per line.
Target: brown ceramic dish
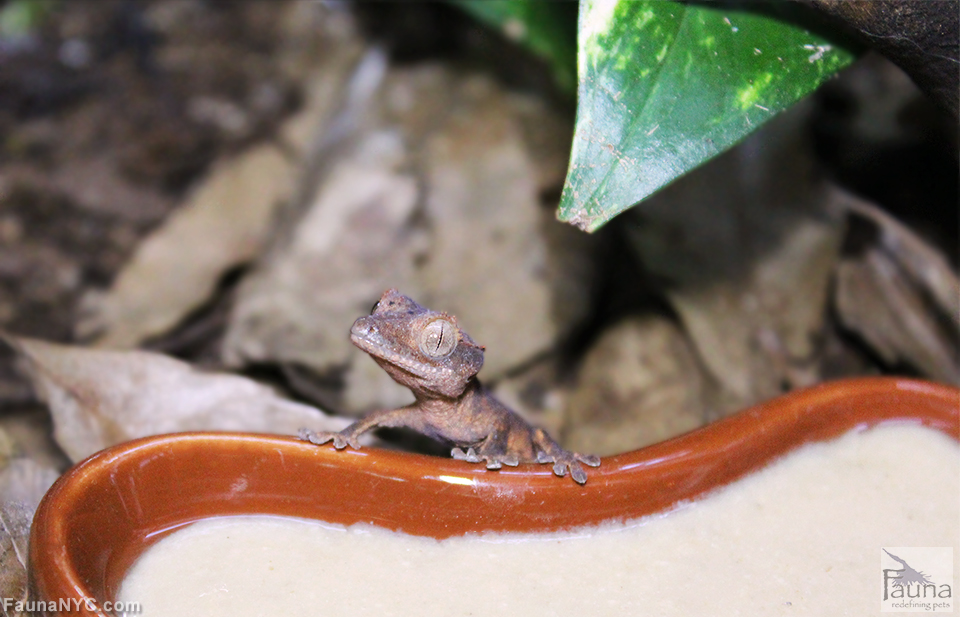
107	510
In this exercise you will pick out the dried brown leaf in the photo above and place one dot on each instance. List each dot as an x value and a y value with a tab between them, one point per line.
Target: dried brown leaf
226	218
14	535
25	481
491	262
99	398
223	224
22	484
899	295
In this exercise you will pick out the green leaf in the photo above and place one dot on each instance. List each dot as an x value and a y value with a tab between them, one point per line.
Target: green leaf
665	86
545	28
20	18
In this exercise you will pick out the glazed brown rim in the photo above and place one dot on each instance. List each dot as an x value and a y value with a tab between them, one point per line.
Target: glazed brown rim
103	513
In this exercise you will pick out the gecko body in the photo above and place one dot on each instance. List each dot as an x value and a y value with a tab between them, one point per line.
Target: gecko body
429	353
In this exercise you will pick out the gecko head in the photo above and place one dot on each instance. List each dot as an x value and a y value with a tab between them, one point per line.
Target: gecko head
420	348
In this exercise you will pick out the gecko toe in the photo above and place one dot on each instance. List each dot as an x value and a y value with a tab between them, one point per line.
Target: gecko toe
569	463
493	464
469	456
589	459
314	437
342	441
543	457
510	460
578	474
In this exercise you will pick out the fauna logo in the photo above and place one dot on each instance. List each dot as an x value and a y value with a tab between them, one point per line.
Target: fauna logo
916	579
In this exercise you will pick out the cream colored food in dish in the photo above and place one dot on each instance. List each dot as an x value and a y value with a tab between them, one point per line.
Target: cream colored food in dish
799	537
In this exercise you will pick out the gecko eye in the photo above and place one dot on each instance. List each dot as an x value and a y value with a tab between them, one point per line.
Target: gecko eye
438	338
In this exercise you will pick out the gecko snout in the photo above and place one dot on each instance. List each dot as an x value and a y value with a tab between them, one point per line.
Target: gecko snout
363	327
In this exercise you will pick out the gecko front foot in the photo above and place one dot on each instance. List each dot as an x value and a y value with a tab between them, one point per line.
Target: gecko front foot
549	451
340	440
564	460
494	461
